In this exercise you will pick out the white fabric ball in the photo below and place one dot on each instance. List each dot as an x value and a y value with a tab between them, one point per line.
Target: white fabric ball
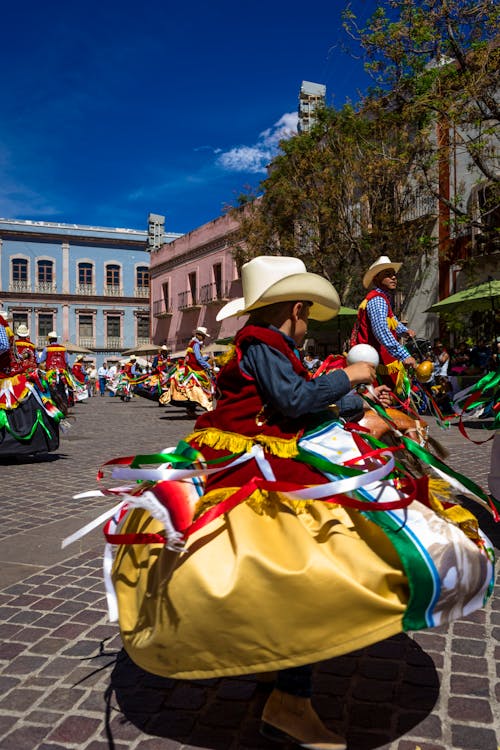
362	353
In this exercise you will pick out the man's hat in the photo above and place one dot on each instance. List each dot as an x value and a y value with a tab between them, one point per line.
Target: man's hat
277	278
52	335
23	330
380	265
132	358
164	348
203	331
79	358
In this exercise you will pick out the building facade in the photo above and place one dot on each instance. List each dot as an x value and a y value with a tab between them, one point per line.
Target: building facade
89	284
192	277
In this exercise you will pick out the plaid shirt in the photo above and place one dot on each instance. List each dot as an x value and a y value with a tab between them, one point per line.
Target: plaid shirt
4	340
377	311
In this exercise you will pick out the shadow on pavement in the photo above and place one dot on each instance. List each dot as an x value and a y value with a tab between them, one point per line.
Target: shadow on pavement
374	696
41	458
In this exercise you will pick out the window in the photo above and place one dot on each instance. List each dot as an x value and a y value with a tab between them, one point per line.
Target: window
192	285
218	280
85	326
113	326
112	275
85	273
166	296
19	269
45	272
19	318
142	276
143	327
45	324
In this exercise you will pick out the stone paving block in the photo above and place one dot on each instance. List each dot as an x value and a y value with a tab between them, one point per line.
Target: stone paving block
28	736
473	738
469	685
470	709
74	729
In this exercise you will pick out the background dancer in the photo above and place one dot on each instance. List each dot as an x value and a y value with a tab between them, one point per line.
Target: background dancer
378	326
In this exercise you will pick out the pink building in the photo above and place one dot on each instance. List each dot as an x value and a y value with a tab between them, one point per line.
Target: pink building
191	279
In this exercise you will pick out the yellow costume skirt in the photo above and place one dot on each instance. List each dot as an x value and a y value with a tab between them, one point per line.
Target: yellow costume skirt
258	590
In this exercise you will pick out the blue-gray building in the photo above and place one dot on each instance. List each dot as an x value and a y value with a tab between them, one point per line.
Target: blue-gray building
89	284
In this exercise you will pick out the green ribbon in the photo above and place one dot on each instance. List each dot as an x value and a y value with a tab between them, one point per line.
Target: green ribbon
423	455
4	424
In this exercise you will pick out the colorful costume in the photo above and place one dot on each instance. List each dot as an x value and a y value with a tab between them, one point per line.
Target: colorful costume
390	370
304	540
190	383
27	352
29	419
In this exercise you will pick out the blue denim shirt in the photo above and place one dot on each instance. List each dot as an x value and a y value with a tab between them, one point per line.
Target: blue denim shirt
292	395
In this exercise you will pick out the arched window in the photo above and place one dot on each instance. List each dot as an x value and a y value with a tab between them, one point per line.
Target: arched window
85	273
19	279
142	276
45	272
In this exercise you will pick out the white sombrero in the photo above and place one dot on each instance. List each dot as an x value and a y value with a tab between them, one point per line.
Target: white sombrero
380	265
203	331
52	335
277	278
22	330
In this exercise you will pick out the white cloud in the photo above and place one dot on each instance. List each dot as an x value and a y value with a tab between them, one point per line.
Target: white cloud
254	159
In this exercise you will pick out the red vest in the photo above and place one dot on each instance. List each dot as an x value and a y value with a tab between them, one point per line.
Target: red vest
56	359
9	364
26	350
240	411
362	332
77	372
190	360
240	408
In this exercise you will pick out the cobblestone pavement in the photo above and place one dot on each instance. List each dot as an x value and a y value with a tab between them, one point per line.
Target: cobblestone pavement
66	683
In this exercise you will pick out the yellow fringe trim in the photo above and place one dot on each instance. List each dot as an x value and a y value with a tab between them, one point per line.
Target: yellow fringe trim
392	323
262	502
235	443
225	357
363	305
440	490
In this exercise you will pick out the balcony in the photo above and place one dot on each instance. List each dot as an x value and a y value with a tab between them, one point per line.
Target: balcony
45	287
20	286
162	308
211	294
85	289
113	342
87	342
141	291
113	290
188	301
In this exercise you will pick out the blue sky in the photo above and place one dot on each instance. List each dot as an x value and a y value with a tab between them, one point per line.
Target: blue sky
111	110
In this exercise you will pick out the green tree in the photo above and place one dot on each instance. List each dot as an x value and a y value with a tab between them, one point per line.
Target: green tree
438	62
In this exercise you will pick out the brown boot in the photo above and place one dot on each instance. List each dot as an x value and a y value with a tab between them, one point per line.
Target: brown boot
289	717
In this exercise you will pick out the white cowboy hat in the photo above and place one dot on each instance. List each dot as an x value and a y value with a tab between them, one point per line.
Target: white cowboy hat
164	348
380	265
23	330
203	331
278	278
79	358
52	335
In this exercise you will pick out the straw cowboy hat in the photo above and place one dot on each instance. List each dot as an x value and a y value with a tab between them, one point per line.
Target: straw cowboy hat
203	331
79	358
23	330
380	265
277	278
52	335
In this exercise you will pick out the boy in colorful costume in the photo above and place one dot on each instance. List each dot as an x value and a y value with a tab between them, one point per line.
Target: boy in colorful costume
278	580
191	382
377	325
26	348
29	420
